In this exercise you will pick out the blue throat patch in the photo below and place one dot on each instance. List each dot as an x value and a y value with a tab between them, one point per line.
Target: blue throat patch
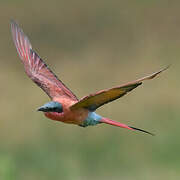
92	119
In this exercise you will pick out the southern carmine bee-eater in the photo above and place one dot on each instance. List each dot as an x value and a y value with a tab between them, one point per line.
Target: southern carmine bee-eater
64	105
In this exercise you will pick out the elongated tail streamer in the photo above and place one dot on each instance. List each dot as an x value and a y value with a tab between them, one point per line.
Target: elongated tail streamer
115	123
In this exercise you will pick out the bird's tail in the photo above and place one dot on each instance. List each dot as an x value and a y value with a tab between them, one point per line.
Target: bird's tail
114	123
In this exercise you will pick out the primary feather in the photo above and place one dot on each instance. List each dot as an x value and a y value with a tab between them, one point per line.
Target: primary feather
94	101
36	69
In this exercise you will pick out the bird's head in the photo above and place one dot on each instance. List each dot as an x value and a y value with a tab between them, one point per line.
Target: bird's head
51	106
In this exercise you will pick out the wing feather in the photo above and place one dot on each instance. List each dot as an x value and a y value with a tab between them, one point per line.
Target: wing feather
35	68
94	101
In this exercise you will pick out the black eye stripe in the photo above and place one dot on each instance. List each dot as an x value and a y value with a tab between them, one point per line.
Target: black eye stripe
56	109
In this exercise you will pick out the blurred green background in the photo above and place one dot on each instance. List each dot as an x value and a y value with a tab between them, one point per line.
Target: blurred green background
92	45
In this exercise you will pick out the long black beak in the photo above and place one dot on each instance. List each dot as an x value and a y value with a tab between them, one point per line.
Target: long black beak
42	108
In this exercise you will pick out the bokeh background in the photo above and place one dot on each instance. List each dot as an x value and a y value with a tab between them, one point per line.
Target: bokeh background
92	45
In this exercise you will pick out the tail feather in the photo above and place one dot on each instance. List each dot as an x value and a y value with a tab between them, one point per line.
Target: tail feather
114	123
137	129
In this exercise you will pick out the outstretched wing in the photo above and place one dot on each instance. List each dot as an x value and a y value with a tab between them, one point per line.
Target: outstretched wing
35	68
94	101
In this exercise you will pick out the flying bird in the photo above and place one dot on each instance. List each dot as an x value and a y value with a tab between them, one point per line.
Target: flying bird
64	105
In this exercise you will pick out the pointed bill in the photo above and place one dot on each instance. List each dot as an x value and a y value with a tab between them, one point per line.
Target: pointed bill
94	101
35	68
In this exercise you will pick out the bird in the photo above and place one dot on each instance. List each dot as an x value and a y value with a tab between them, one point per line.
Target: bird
64	106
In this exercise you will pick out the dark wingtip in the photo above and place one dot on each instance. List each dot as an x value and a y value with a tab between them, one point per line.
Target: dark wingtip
137	129
167	67
13	22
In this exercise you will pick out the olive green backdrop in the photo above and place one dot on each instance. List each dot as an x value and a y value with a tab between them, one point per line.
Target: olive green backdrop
92	45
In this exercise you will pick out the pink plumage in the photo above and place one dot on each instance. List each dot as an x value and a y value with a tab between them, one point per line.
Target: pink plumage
65	106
